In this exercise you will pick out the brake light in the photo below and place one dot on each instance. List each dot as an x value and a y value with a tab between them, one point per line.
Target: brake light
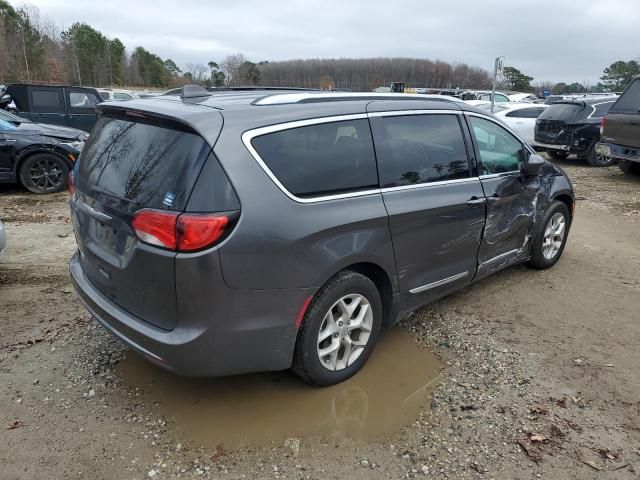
195	232
184	232
603	122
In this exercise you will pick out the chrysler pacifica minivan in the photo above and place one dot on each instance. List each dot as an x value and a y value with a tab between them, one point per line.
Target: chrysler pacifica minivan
256	230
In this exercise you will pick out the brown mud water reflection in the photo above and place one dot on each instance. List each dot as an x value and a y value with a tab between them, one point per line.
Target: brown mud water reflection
257	409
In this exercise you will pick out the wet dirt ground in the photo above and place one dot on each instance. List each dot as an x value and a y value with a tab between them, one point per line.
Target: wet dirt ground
526	374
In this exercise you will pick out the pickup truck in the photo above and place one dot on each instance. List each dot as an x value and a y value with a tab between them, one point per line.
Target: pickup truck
620	129
58	105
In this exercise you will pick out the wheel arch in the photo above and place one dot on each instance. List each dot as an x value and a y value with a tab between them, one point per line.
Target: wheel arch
35	151
568	201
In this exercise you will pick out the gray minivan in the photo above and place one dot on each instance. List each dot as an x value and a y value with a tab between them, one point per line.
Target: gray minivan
256	230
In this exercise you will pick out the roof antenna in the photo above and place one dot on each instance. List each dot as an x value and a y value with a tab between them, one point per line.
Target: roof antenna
194	91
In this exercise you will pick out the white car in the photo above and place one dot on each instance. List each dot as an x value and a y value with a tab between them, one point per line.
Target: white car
521	117
109	95
523	97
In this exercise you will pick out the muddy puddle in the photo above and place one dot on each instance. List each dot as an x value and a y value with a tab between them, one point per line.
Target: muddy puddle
253	410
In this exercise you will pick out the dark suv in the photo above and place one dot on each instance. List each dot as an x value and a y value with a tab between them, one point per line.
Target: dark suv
222	233
573	126
621	130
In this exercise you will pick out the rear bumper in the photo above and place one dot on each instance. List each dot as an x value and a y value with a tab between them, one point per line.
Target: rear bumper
551	146
620	152
252	331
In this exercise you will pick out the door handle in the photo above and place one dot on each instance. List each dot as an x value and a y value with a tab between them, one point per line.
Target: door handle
476	200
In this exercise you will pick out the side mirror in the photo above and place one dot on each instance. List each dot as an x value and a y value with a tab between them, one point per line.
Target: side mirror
534	164
5	100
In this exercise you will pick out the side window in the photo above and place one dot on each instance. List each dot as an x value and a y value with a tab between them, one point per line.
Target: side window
323	159
81	102
500	98
525	113
46	101
629	101
499	150
122	96
416	149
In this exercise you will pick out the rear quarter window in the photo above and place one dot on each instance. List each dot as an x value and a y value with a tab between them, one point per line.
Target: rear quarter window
46	101
150	165
629	101
324	159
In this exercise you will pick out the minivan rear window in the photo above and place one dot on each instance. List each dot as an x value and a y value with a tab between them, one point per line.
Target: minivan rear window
323	159
151	165
629	101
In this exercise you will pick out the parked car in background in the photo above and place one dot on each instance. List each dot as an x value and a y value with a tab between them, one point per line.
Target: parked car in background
576	96
523	97
573	126
521	117
110	95
621	130
73	107
3	238
38	156
257	230
484	95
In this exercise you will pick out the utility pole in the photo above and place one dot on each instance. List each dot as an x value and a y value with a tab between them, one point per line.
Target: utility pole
497	67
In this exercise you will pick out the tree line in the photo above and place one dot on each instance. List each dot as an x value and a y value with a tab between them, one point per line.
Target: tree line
34	49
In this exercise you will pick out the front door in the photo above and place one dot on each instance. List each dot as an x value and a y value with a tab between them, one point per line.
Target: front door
436	205
510	203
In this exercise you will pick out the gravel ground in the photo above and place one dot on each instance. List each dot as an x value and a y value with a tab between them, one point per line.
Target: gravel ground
540	376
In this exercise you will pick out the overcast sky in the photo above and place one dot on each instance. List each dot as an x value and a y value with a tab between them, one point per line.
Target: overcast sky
556	40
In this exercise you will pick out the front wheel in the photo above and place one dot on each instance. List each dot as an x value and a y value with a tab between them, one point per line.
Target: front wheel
550	240
629	168
339	330
44	173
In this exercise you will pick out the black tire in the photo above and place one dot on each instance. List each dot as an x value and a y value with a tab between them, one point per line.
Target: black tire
306	362
598	160
557	155
629	168
44	173
538	259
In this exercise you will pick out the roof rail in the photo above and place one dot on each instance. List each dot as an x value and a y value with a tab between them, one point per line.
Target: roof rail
284	98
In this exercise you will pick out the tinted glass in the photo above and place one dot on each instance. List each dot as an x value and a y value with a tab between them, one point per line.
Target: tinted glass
601	109
321	159
526	113
629	101
499	150
46	101
104	95
419	149
150	165
562	111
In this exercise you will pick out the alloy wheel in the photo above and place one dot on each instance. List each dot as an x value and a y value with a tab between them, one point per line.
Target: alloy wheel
553	236
46	174
344	332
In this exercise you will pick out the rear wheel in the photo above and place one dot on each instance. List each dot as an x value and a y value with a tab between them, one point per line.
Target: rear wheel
550	240
596	159
44	173
629	168
339	330
557	154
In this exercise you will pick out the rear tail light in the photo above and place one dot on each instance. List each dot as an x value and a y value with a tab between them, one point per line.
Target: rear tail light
186	232
603	122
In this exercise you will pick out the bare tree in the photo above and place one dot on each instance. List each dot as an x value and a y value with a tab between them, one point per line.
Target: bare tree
231	67
198	71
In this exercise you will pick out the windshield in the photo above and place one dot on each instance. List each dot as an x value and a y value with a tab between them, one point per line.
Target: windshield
10	117
6	126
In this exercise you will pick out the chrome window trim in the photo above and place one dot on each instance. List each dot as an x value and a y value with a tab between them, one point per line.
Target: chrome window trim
403	113
439	283
428	184
501	174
